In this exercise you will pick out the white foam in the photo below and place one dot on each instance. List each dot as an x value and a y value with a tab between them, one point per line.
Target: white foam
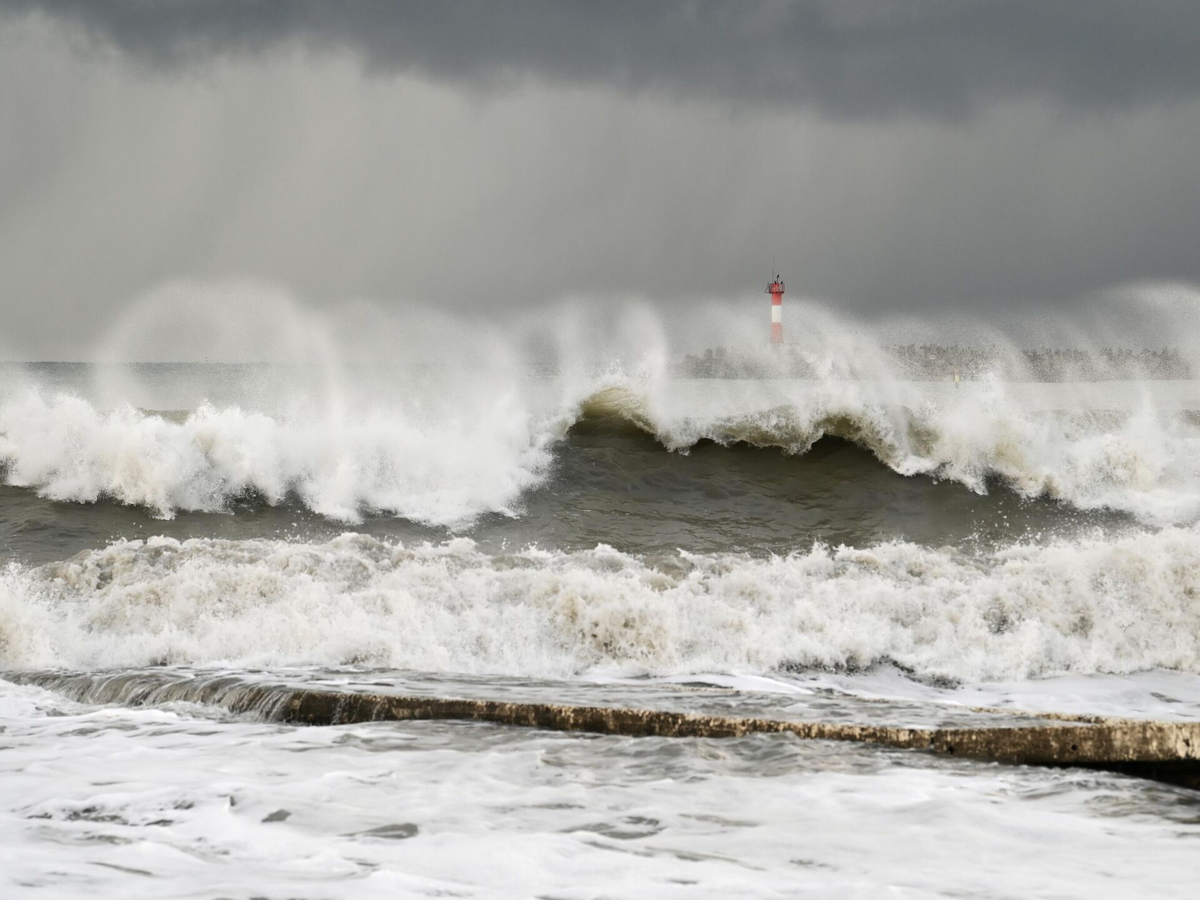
151	803
445	456
442	471
1099	604
1121	446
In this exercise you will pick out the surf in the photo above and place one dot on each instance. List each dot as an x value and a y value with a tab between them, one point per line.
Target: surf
447	460
1102	604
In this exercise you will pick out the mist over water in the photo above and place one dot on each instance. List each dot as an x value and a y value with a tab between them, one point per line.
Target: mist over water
592	440
440	421
591	507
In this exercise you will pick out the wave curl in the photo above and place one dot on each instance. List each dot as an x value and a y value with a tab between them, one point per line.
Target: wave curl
1133	457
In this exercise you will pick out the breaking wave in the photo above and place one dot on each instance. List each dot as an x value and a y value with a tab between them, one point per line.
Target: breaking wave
443	473
1091	450
1084	606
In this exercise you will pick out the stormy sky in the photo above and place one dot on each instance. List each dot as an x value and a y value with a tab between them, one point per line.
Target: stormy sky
927	157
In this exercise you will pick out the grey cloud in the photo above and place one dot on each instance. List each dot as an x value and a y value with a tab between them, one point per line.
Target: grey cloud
853	58
240	147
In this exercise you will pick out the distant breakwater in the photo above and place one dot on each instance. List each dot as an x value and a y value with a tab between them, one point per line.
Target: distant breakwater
940	362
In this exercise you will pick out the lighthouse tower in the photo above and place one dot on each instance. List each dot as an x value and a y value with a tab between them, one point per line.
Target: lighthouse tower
775	289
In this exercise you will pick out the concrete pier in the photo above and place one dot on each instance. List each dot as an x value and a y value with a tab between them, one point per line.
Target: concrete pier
1164	751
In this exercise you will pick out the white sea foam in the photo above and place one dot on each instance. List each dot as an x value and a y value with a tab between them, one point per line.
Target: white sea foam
444	471
447	456
153	803
1117	604
1120	446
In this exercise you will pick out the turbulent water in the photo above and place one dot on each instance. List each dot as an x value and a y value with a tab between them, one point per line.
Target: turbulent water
811	543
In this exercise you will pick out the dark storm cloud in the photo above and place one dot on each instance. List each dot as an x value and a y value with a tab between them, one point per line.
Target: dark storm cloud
911	159
850	58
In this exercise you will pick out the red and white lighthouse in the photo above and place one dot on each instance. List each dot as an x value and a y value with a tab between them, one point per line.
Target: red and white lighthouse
775	289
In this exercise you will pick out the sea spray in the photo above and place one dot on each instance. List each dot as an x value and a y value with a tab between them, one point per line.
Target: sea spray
448	450
1088	605
443	472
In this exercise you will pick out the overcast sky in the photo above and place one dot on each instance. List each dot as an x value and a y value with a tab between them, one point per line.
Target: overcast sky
923	157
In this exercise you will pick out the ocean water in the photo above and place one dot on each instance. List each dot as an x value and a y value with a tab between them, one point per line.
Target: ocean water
853	548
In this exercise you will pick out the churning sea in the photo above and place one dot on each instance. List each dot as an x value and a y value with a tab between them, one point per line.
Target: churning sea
836	548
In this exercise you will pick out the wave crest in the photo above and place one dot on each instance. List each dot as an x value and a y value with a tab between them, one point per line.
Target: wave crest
1093	452
1083	449
444	472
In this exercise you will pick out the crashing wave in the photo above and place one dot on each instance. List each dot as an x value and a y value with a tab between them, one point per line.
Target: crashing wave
1083	606
1086	450
1134	458
444	473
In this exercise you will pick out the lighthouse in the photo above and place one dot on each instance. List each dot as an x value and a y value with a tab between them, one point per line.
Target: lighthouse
775	289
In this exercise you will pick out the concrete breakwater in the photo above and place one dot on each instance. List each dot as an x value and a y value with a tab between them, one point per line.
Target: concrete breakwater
939	362
1164	751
